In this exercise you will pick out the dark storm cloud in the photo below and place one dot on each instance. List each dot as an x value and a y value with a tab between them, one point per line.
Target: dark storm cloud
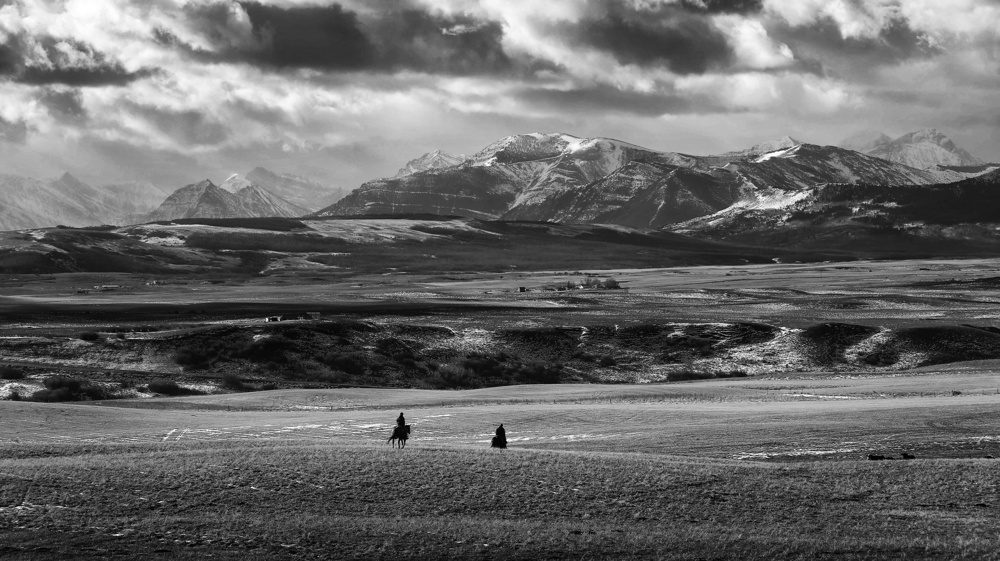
13	131
666	36
724	6
821	44
64	105
417	40
88	67
324	37
333	38
604	99
186	127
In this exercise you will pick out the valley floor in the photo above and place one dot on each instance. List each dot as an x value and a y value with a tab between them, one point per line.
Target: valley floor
704	470
772	463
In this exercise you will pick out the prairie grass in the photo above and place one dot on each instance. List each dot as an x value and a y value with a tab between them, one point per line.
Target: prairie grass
292	499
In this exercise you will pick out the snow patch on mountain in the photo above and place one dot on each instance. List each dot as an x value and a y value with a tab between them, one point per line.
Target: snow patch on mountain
432	160
767	147
235	182
783	153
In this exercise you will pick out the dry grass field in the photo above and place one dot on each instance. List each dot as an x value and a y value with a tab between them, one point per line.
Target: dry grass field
749	469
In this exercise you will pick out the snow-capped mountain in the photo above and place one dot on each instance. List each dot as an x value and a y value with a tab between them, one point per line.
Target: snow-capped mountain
922	149
431	160
207	200
235	183
559	177
864	217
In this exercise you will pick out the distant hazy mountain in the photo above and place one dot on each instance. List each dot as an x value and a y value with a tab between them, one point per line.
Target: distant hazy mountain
300	191
562	178
432	160
35	203
207	200
134	197
922	149
865	141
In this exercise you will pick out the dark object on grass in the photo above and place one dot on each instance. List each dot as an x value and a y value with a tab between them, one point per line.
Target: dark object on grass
90	336
500	440
399	436
908	456
876	457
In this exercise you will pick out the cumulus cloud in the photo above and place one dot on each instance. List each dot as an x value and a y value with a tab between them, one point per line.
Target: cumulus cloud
320	83
47	60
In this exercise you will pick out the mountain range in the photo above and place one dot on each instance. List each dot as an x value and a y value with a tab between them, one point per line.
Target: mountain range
530	177
237	197
38	203
563	178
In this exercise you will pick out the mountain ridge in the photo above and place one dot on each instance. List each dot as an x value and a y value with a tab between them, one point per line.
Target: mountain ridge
563	178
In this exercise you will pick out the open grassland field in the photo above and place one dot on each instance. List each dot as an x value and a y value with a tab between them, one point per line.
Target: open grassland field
743	469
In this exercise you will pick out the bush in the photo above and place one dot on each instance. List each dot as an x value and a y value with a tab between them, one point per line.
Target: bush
690	374
15	396
234	382
89	336
169	387
64	388
11	373
538	373
351	363
268	349
198	356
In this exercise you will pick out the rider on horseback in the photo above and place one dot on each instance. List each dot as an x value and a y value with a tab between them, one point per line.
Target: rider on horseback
500	440
400	420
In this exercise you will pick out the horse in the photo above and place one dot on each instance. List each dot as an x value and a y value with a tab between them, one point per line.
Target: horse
399	436
498	442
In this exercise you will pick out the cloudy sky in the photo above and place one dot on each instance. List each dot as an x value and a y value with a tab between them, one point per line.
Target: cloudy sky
175	91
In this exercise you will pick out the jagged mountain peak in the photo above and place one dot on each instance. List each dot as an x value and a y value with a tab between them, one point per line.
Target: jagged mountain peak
437	159
235	183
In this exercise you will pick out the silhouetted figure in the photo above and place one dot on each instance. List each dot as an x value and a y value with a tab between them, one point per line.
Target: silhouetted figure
400	434
500	440
400	420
